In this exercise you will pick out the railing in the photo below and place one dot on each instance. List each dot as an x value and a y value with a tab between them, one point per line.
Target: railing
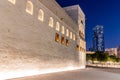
110	65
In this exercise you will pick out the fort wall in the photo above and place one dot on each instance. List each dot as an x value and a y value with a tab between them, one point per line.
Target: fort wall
28	44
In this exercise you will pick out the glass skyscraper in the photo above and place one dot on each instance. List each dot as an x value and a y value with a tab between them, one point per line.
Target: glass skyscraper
98	38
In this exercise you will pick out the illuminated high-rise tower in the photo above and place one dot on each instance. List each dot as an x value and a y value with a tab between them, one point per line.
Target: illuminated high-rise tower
98	38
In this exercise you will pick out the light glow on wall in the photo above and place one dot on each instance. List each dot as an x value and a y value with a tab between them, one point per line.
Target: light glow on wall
29	7
63	30
51	22
31	72
12	1
70	35
67	32
41	15
74	37
57	26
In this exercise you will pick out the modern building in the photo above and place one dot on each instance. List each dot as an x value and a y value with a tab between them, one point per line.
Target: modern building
98	38
39	36
112	51
118	51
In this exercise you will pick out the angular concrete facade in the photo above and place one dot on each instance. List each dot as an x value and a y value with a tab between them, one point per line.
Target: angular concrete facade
28	44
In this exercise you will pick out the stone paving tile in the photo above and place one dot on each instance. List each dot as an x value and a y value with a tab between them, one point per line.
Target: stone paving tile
86	74
112	70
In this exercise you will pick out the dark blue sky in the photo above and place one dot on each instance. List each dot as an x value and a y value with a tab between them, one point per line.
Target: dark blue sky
100	12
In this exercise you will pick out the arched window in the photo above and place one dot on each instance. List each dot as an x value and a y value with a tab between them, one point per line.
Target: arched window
57	37
82	21
67	32
63	30
70	35
12	1
51	22
74	37
57	26
29	7
41	15
67	42
77	47
62	40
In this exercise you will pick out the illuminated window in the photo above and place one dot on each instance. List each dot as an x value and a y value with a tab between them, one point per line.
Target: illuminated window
57	26
51	22
74	37
29	7
12	1
62	40
63	30
41	15
67	42
77	47
57	37
70	35
81	21
67	32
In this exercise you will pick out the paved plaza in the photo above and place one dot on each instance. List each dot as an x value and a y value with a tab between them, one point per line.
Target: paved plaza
85	74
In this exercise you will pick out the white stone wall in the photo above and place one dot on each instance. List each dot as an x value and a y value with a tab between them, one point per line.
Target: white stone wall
27	43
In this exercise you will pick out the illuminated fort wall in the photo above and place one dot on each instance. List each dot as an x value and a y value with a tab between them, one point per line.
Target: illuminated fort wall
36	40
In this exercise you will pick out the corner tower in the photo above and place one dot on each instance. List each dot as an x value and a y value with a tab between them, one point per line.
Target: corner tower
77	15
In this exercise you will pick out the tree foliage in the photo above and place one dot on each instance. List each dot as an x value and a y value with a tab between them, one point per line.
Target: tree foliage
102	57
